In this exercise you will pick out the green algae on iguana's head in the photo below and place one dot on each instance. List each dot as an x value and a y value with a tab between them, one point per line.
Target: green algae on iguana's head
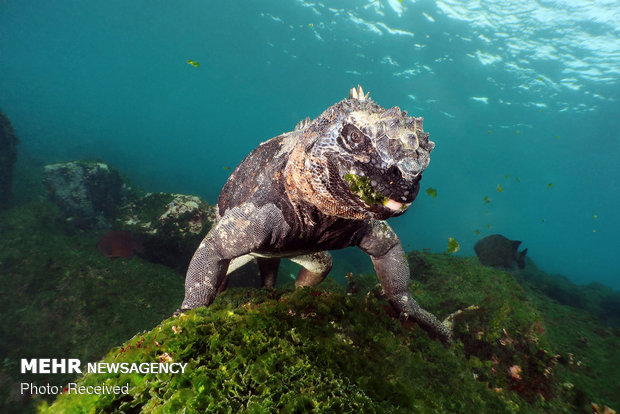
361	187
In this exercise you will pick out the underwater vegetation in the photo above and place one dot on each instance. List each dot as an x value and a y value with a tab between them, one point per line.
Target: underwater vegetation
325	349
60	297
332	348
8	156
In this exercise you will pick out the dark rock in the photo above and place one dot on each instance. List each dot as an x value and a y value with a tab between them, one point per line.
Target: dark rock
87	192
170	226
8	155
498	251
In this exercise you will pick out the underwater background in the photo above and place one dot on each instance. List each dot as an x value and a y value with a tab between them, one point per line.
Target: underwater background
521	98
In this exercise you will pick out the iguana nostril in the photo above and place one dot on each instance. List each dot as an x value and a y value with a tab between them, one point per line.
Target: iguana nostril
393	172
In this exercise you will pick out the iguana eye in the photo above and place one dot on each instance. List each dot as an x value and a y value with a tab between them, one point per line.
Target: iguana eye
352	138
355	137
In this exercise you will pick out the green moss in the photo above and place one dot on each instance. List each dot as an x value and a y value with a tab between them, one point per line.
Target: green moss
360	186
291	352
322	350
61	298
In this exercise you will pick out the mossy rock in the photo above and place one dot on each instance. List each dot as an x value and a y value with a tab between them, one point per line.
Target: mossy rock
323	350
170	226
87	192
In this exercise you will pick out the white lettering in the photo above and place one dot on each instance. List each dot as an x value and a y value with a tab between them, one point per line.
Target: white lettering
58	366
74	366
29	366
33	389
50	366
44	366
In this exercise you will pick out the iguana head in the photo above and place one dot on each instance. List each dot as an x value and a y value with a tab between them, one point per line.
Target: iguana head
359	160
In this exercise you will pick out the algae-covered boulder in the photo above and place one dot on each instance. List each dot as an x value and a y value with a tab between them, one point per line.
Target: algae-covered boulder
323	350
88	192
169	225
8	155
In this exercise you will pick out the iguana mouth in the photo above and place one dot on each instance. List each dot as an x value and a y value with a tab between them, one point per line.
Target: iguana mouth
361	186
395	205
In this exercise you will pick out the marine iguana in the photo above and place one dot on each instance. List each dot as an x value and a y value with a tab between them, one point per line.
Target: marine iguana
328	184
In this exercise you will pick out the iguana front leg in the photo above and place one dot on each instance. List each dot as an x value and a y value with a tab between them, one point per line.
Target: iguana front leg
392	269
241	230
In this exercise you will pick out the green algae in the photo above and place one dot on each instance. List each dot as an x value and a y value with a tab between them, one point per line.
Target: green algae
60	298
361	187
323	350
307	350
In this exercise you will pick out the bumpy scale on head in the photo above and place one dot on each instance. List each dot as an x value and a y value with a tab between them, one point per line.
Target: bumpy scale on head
359	160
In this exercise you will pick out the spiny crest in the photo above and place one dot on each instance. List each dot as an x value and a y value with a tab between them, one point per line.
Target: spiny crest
302	124
358	93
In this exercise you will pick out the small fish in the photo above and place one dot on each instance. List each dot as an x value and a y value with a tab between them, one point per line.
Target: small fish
477	232
427	249
431	192
487	199
499	188
453	246
193	63
549	185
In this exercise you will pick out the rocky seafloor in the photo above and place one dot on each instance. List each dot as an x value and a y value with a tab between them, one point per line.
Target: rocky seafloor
525	342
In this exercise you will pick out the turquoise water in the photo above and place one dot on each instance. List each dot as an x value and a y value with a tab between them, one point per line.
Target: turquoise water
520	94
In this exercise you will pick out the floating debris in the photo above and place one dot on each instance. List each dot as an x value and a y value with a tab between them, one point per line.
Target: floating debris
477	232
431	192
453	246
549	185
499	188
193	63
487	199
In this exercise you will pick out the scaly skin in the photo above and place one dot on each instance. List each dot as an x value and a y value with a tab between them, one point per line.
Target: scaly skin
328	184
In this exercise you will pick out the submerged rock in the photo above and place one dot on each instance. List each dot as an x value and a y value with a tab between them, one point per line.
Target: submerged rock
498	251
87	192
170	226
8	155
